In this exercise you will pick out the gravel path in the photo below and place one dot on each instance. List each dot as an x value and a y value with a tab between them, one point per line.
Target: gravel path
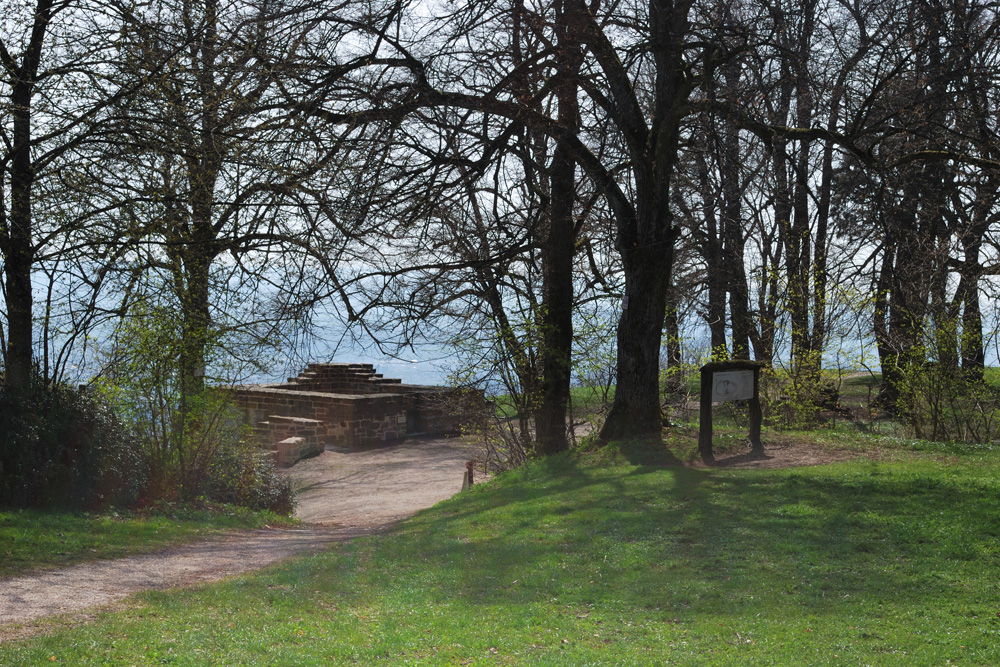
342	494
375	487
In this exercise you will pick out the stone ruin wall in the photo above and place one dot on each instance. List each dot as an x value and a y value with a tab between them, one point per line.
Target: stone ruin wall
346	405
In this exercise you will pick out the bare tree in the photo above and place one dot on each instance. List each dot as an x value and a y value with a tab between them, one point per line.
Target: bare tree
239	206
56	78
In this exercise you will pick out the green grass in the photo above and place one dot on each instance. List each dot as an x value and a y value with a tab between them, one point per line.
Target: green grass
860	388
32	539
583	398
590	560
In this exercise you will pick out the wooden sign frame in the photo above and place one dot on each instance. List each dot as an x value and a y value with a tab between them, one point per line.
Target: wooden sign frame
708	371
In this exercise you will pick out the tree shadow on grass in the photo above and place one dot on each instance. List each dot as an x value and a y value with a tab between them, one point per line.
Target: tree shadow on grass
651	451
696	541
740	459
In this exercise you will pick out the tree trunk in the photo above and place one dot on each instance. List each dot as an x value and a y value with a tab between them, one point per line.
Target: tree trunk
805	359
712	252
636	409
971	341
819	268
646	240
732	232
557	310
560	242
889	390
973	354
782	190
16	233
908	291
19	253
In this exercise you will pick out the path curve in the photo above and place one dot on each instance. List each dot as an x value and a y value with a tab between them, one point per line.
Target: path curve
342	494
378	486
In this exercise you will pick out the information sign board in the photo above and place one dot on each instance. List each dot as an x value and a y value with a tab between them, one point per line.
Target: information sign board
732	386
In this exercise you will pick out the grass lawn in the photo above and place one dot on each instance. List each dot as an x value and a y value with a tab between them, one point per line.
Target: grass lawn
582	399
31	539
590	560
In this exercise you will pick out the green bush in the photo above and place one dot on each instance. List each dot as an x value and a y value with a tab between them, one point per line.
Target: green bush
790	401
242	475
206	453
194	440
60	447
946	405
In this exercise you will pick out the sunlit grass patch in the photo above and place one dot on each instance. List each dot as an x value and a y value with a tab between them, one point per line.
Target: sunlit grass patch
35	539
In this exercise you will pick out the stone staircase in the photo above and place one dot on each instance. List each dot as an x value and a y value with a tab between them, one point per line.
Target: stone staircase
290	438
294	438
342	404
342	379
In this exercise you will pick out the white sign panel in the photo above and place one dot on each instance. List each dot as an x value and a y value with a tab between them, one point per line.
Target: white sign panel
732	386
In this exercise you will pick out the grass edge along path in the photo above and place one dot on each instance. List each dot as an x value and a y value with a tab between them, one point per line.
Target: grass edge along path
587	559
37	540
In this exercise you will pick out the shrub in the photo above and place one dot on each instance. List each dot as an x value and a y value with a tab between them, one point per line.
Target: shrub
60	447
195	440
208	453
678	389
503	434
944	404
241	474
792	401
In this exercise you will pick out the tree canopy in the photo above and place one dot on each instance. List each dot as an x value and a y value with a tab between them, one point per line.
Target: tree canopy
521	177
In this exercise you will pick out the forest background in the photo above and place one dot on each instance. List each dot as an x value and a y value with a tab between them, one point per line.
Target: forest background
551	191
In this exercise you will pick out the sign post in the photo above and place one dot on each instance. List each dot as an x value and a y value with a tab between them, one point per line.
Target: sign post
723	381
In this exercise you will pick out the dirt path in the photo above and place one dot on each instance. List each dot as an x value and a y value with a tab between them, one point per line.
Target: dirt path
342	494
376	487
781	452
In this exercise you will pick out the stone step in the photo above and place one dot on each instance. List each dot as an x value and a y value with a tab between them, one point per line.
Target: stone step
292	449
347	404
297	421
277	427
